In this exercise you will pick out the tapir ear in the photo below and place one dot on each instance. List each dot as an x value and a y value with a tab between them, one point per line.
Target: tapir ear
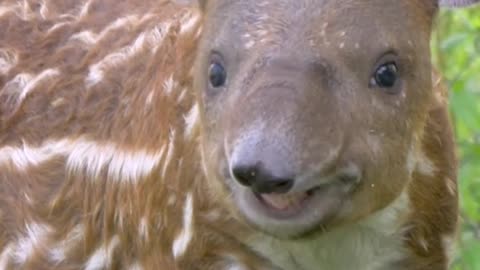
457	3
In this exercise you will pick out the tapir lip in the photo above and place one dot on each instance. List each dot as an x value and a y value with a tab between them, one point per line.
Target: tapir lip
318	209
329	185
293	209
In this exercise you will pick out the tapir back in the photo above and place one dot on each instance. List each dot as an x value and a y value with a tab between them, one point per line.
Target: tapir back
96	115
107	146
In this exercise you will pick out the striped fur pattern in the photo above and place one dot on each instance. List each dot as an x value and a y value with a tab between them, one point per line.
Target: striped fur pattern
100	165
97	125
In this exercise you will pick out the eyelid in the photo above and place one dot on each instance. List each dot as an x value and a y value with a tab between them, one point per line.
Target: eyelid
216	57
390	56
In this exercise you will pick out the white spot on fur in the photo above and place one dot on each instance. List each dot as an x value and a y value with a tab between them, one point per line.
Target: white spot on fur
96	71
91	38
5	10
85	9
158	34
28	199
136	266
191	120
21	85
168	158
67	16
212	216
87	37
235	263
34	237
8	60
424	165
188	22
416	155
43	76
43	9
172	199
5	256
182	95
169	85
423	243
249	44
143	228
451	186
94	157
26	155
57	26
102	258
58	252
150	96
22	10
95	75
57	102
26	11
122	165
18	83
236	267
182	241
146	41
261	33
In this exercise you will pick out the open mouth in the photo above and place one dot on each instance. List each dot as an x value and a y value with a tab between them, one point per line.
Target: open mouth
283	202
294	213
285	206
299	210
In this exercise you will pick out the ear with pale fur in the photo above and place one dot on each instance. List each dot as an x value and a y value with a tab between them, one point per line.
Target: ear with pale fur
457	3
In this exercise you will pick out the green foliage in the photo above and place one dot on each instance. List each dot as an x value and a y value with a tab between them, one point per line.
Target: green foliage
456	53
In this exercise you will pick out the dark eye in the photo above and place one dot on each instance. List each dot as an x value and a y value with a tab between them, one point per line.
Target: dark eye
386	75
217	75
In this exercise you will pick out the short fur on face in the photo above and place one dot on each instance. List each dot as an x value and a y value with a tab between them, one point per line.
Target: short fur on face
299	82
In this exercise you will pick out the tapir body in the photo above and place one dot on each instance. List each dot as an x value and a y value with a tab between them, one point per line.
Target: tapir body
222	135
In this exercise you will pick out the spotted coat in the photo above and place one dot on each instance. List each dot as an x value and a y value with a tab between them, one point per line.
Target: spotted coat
100	166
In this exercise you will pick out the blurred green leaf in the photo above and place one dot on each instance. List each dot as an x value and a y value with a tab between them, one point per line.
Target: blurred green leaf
456	52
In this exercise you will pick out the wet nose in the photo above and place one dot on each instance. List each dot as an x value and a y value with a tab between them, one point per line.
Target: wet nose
260	179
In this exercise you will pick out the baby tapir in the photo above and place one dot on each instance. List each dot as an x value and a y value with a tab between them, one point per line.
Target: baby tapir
224	135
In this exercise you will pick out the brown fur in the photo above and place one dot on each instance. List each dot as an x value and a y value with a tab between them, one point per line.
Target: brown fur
60	203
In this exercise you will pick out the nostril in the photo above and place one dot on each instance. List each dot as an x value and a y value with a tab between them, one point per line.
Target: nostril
261	180
244	175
